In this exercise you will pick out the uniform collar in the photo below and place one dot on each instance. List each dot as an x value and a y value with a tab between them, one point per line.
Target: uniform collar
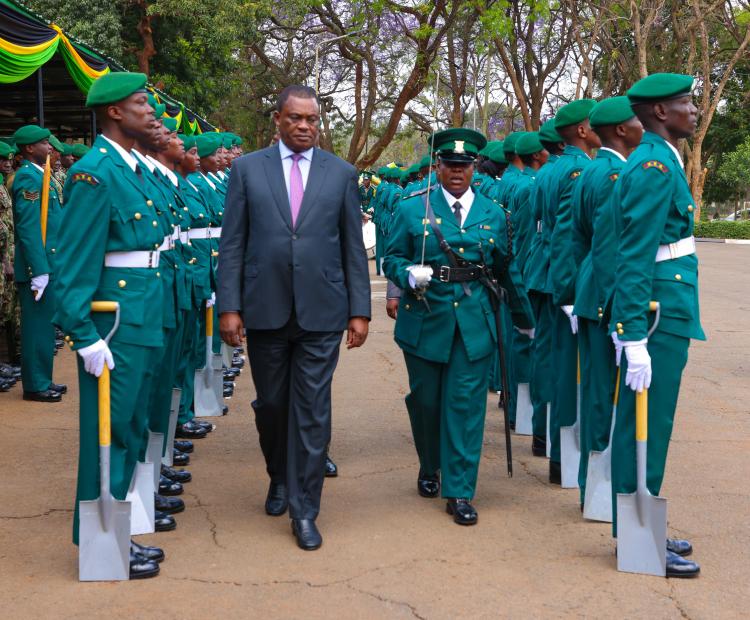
164	170
466	199
127	157
571	149
655	138
144	160
606	149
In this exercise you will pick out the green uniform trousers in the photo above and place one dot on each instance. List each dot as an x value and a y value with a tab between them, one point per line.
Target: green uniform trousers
447	404
141	420
126	389
495	377
598	373
541	372
379	249
37	337
185	377
669	355
565	358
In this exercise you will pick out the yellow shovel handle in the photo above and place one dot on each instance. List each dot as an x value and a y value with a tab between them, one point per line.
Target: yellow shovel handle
209	322
641	415
105	430
578	370
103	306
617	387
653	305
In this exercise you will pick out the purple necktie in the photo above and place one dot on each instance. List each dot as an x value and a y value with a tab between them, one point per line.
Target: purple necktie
296	190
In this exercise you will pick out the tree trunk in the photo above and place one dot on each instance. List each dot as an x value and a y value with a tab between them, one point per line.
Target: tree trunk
145	30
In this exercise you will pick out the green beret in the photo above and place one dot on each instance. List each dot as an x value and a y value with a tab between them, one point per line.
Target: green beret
547	132
458	144
425	162
612	111
56	144
237	140
660	87
170	123
228	141
573	113
67	149
159	111
414	169
381	171
206	144
529	143
115	86
187	141
495	152
79	150
509	144
30	134
6	151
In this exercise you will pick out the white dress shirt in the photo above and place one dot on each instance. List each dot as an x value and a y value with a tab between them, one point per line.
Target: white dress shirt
143	160
164	170
286	163
466	200
128	157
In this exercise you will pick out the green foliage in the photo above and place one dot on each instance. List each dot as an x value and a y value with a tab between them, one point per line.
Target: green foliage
735	167
722	230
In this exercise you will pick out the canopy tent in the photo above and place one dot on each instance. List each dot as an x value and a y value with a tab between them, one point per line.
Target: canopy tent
45	75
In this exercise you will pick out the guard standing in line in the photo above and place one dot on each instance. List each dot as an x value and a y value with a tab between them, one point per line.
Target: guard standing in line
571	122
107	253
35	262
656	262
620	132
366	193
8	303
445	324
514	168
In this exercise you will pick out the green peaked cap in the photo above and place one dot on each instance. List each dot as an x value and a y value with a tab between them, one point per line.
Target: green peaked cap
612	111
115	86
529	143
457	144
660	87
548	133
573	113
30	134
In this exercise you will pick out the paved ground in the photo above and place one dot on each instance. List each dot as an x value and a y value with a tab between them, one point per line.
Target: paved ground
387	552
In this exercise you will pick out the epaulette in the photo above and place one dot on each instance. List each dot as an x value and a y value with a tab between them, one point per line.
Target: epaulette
418	192
575	174
655	164
85	177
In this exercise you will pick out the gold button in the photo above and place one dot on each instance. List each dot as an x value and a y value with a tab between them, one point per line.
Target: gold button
600	315
677	276
690	208
461	250
158	275
619	326
599	309
155	223
156	246
184	208
102	150
463	230
492	240
407	306
52	250
121	283
150	203
620	332
67	338
71	343
221	212
455	304
214	253
137	216
200	215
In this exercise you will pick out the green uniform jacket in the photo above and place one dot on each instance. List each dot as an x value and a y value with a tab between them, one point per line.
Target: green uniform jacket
366	196
504	185
537	265
32	257
196	211
593	190
429	333
524	226
655	208
107	209
562	273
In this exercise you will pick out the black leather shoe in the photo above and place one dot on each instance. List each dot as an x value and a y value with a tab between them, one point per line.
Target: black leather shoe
184	446
238	361
463	512
512	426
679	546
58	387
170	505
176	475
228	385
428	486
168	487
5	385
141	568
229	377
277	500
47	396
206	426
10	372
183	431
307	534
164	522
231	372
179	458
224	410
680	567
539	446
228	392
555	475
331	470
150	553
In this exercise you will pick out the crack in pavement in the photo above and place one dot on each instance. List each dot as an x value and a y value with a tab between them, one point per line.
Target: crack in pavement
389	601
36	516
677	604
384	471
540	479
211	522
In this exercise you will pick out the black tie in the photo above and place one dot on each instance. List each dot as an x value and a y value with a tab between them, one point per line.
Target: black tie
457	212
138	173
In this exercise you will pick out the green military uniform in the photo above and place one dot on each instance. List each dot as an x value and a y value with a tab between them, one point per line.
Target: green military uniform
448	348
34	257
109	215
654	208
366	195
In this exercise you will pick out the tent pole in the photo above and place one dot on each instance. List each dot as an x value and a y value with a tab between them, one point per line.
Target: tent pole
39	98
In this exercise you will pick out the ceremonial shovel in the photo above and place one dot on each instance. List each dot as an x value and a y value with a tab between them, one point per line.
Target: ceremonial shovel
641	517
104	528
570	443
524	410
209	381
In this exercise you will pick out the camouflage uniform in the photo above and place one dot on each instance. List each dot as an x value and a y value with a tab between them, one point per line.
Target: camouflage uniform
8	306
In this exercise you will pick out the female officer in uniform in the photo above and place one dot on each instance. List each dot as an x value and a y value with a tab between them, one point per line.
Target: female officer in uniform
446	325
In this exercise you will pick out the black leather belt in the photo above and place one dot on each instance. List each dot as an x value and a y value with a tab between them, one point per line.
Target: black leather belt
445	273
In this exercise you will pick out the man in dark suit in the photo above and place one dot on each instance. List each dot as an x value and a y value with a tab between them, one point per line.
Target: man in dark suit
293	276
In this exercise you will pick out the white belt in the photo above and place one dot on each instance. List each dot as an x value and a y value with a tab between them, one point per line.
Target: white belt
167	244
539	226
176	233
670	251
199	233
142	259
215	233
184	237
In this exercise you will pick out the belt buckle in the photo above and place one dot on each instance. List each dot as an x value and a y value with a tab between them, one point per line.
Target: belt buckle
445	273
153	260
539	226
673	250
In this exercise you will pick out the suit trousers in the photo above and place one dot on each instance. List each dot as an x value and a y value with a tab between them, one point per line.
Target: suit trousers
37	337
292	370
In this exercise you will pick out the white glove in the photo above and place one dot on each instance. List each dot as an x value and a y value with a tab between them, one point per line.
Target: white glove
526	332
94	356
211	301
638	377
419	275
571	317
618	349
38	284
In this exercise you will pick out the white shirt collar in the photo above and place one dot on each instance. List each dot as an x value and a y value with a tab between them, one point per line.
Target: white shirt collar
606	148
466	199
285	151
164	170
144	160
127	157
675	151
221	174
209	181
37	166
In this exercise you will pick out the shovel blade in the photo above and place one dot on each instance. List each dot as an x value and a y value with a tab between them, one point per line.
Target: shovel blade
141	498
524	410
642	548
174	412
209	386
226	355
217	377
104	553
570	456
154	454
597	504
549	435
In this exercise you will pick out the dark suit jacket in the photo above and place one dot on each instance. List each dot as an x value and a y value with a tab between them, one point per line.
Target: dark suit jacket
319	267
